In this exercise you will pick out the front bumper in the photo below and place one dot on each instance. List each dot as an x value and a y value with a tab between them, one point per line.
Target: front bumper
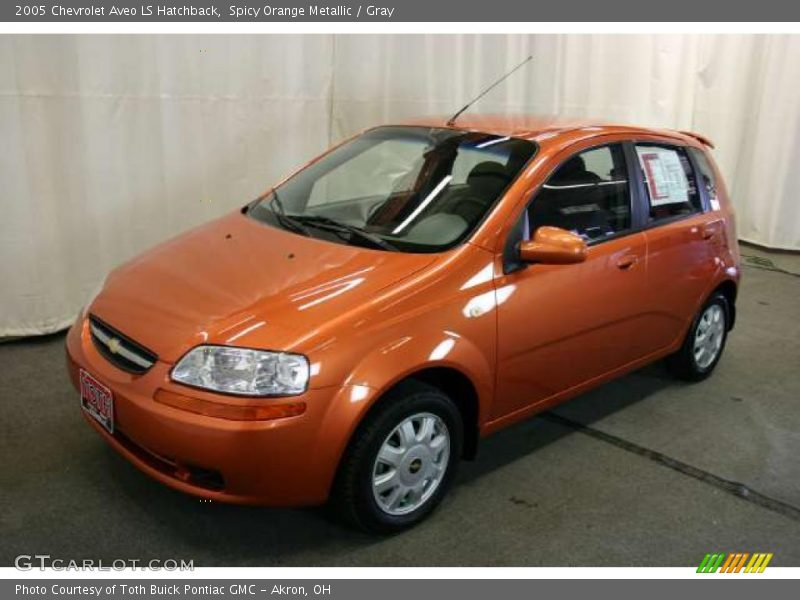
281	462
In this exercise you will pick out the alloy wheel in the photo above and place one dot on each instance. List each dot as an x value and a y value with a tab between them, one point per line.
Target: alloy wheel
709	335
411	464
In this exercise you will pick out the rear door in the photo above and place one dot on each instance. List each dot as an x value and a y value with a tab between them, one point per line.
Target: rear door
681	236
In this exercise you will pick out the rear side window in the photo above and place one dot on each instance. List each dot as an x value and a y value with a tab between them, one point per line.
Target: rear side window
669	180
588	195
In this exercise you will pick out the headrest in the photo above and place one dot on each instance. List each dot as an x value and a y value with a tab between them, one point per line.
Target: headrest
488	168
571	171
488	178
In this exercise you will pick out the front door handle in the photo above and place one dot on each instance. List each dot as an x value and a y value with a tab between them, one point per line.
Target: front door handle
627	261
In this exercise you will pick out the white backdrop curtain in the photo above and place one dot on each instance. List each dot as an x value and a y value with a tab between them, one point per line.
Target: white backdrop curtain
110	144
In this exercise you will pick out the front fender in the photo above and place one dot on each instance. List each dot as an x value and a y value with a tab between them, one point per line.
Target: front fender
401	358
385	366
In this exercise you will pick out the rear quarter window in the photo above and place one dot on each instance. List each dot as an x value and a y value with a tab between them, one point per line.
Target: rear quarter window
707	176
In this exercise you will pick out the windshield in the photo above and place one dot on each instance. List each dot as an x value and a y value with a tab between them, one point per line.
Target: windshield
415	189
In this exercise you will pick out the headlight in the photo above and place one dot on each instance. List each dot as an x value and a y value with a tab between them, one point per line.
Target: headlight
243	371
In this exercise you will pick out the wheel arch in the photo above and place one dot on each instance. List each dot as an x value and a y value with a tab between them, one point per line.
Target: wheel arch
457	386
729	289
448	379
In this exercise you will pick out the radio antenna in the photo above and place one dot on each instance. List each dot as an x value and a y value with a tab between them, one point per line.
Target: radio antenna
452	120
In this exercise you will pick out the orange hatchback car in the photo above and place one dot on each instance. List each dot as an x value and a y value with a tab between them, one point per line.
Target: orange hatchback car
351	334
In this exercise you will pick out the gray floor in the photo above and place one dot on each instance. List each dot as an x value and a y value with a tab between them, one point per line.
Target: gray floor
647	483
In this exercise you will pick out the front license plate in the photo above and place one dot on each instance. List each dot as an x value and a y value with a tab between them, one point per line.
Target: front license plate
97	400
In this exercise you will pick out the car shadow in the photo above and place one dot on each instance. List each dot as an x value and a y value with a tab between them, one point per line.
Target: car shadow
527	437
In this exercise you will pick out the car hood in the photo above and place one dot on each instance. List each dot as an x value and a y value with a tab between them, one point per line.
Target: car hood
237	281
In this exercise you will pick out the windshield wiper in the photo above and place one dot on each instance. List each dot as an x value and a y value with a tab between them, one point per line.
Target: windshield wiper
287	221
329	224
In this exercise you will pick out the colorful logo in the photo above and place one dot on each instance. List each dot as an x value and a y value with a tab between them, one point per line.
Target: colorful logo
734	562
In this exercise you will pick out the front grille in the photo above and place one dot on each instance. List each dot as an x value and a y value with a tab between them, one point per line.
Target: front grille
120	350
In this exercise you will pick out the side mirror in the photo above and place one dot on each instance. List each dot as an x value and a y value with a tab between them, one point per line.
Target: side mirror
553	246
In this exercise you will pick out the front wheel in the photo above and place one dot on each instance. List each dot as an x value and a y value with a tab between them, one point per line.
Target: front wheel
704	341
401	460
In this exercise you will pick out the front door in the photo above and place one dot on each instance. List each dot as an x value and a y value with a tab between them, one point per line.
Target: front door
560	326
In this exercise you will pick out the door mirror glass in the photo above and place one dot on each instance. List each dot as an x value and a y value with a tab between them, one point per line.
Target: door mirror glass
553	246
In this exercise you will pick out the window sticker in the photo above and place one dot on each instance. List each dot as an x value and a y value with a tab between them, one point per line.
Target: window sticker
666	179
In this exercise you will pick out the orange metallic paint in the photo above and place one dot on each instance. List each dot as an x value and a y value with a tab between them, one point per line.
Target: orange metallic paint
566	324
366	319
553	246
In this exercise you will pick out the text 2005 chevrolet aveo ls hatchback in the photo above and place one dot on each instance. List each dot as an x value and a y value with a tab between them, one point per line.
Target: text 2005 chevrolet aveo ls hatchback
351	334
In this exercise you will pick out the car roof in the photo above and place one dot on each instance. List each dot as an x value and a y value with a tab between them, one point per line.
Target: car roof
542	127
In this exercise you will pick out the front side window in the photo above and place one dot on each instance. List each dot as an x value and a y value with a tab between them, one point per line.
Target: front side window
669	181
414	189
588	194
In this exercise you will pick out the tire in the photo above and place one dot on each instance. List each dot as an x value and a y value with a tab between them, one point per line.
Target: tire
692	364
411	489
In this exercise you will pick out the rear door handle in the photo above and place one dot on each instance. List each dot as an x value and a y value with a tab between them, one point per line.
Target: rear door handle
627	261
709	230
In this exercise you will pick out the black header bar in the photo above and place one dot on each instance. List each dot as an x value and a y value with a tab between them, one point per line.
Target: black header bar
399	11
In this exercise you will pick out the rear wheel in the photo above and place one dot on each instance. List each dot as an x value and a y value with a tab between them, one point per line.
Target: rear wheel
401	460
704	342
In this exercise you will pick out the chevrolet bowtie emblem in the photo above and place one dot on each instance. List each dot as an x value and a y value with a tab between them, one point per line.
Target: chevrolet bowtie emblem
113	345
